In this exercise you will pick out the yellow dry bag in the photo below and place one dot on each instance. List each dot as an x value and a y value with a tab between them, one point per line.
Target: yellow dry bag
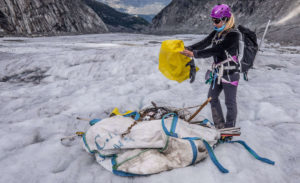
172	63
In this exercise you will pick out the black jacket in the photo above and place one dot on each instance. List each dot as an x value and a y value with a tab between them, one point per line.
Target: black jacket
228	42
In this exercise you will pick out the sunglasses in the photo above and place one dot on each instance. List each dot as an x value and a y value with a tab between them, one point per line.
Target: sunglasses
218	20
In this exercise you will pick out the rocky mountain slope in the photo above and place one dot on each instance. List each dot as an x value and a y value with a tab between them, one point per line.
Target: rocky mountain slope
48	17
117	21
182	16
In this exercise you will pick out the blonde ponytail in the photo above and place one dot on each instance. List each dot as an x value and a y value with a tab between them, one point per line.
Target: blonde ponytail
229	24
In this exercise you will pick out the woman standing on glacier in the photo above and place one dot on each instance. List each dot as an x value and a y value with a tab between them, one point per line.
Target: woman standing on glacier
225	75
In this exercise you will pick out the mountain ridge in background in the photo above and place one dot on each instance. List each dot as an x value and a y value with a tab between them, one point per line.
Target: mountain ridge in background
117	21
147	17
193	16
56	17
146	9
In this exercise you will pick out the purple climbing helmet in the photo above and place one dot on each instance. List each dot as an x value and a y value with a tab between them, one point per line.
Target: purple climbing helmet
220	11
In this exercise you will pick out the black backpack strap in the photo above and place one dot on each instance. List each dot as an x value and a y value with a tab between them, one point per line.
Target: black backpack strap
224	34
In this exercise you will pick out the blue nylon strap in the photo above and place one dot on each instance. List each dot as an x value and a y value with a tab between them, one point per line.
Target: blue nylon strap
192	138
165	129
205	121
213	158
174	123
195	152
136	114
173	134
194	147
252	152
173	126
94	121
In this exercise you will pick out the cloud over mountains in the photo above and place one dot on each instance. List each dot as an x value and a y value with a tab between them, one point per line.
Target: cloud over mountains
145	7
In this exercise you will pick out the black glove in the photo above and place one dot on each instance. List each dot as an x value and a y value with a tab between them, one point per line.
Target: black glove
188	48
192	70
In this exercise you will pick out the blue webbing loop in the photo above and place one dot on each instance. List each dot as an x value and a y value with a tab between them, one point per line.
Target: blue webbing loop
173	126
94	121
213	157
137	115
252	152
173	134
205	121
174	123
194	147
192	138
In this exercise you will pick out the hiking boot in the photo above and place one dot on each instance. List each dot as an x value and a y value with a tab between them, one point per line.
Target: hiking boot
229	125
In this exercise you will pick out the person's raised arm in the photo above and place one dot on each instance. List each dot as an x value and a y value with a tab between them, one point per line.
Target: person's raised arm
202	44
231	39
